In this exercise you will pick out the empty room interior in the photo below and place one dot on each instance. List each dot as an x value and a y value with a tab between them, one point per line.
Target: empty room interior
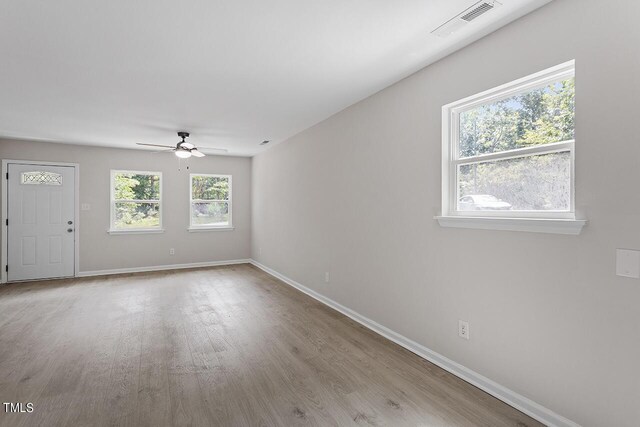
331	213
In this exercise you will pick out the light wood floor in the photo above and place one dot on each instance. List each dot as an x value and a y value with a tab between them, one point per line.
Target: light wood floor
228	346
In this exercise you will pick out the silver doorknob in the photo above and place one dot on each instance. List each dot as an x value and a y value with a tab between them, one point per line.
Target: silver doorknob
69	230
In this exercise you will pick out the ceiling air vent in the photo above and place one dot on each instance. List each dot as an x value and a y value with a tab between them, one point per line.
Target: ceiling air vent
477	11
464	17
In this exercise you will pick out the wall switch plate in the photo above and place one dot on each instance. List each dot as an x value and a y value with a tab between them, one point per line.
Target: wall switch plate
172	251
628	263
85	207
463	329
326	277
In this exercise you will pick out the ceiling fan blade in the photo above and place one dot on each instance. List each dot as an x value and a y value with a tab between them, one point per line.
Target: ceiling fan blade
155	145
187	145
196	153
164	151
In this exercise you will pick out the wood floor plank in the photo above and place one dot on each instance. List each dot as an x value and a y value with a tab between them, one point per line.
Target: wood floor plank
223	346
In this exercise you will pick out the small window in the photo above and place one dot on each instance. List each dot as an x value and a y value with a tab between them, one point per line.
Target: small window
41	178
136	201
509	152
210	201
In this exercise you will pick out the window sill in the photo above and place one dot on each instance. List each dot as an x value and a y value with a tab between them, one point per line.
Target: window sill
154	231
205	229
535	225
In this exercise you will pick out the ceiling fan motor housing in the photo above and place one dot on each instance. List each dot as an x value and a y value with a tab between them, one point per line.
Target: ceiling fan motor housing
182	145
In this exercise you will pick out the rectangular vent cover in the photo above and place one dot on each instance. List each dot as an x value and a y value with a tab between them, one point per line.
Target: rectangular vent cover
464	17
477	11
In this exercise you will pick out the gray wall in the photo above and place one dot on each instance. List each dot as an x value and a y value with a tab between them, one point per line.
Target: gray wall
355	195
101	251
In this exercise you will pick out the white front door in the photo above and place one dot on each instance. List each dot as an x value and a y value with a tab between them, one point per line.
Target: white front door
41	221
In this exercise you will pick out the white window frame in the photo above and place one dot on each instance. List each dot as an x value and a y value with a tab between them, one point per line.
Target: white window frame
545	221
112	206
228	226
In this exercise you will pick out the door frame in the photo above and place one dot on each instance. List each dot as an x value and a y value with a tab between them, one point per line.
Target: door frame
5	212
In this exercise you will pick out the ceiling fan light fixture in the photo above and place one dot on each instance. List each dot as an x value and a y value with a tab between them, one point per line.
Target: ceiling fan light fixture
183	154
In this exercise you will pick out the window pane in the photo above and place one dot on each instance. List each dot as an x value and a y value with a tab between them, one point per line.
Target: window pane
41	177
210	213
536	117
137	215
210	187
131	186
534	183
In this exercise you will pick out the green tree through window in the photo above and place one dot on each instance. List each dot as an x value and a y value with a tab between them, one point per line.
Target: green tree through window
136	200
210	201
540	116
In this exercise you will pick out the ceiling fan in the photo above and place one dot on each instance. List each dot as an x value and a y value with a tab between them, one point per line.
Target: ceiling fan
184	149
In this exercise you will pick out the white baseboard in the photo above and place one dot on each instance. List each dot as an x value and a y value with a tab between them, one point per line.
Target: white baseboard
161	267
510	397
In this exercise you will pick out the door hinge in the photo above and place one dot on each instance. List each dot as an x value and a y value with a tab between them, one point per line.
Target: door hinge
7	221
6	268
7	175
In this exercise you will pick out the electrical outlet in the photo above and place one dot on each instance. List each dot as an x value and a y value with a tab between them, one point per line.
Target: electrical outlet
172	251
463	329
85	207
326	277
260	251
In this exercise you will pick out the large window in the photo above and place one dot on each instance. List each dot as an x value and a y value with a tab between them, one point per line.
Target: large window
136	201
210	201
509	152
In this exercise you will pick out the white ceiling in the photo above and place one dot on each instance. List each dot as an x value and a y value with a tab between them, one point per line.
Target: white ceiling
116	72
